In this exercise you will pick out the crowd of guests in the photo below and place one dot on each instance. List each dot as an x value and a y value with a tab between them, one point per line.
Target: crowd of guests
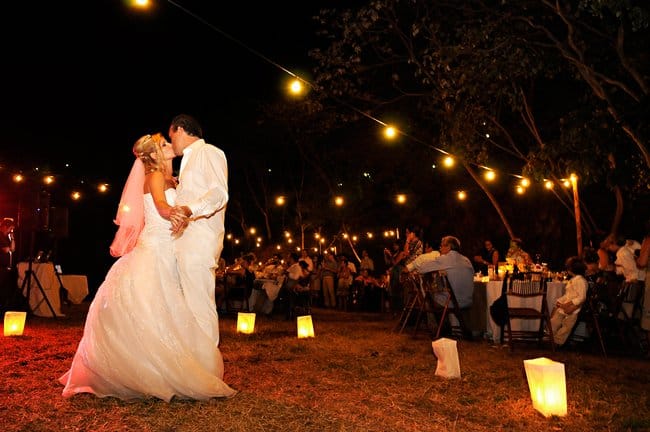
357	283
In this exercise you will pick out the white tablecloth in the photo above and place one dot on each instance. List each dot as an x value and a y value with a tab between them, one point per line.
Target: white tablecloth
77	287
554	291
45	274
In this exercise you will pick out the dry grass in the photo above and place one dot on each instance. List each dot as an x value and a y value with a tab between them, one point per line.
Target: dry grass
356	375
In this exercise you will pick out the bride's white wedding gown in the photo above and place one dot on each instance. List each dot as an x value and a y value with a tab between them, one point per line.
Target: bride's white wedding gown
140	339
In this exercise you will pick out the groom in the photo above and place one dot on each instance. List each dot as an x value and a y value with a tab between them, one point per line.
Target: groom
198	218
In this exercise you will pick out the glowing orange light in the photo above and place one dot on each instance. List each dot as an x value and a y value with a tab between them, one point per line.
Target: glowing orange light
18	178
448	161
76	195
296	87
390	132
462	195
490	175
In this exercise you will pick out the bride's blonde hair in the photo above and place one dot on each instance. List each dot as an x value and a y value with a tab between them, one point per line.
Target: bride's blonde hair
146	147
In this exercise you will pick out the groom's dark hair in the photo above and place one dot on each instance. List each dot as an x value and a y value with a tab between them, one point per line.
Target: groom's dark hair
189	124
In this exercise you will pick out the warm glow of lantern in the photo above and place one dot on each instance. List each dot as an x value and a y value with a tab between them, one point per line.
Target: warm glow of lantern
524	182
490	175
48	179
566	183
520	190
236	241
14	323
548	184
338	201
305	327
18	178
401	198
547	384
252	230
102	187
245	322
462	195
280	200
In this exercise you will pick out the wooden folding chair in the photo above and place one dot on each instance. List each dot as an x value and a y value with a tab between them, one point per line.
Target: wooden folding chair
627	313
589	316
526	294
416	300
450	312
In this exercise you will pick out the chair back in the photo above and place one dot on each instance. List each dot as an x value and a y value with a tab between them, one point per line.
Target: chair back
438	282
526	297
528	284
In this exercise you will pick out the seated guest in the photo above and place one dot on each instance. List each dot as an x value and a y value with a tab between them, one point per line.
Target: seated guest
486	257
458	268
603	290
516	253
297	282
366	291
267	286
567	307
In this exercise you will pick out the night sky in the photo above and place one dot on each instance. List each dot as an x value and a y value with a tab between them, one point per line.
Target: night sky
84	80
91	77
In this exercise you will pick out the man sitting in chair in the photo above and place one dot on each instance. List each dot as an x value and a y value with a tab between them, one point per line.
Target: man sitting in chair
567	307
458	268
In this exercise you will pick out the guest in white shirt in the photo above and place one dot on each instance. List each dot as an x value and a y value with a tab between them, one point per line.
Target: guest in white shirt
626	259
567	307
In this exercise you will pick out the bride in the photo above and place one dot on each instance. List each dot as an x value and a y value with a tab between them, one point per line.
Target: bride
140	338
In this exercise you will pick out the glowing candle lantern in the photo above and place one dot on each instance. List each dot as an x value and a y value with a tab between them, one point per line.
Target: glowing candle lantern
14	323
305	327
245	322
547	385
